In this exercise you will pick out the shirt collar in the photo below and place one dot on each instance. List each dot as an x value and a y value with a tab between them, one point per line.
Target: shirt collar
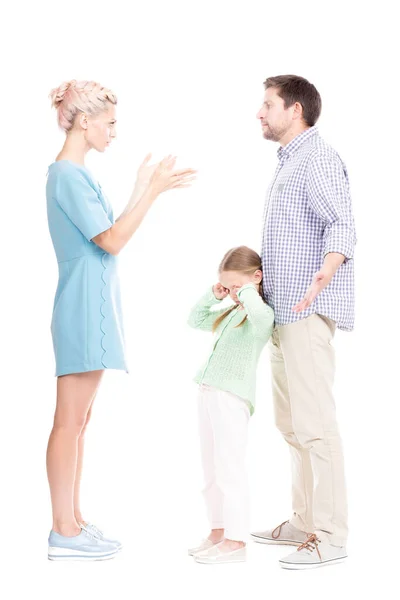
294	145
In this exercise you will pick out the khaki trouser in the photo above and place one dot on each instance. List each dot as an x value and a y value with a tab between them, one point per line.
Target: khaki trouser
303	367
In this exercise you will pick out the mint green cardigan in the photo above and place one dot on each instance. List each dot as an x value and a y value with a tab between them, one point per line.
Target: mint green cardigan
232	364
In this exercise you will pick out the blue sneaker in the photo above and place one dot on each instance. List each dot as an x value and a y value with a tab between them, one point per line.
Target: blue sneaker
84	546
90	528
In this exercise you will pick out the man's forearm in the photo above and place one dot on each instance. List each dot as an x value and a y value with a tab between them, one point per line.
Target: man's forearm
332	262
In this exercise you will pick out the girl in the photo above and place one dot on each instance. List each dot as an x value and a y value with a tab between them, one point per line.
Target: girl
87	322
226	400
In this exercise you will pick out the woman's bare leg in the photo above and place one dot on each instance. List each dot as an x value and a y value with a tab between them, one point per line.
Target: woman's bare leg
77	487
74	397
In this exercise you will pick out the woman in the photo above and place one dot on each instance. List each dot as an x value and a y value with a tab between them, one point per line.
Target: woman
87	324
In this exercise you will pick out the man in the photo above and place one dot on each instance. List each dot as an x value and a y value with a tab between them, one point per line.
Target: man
307	253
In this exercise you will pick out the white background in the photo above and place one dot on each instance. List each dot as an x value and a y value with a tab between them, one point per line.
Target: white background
189	79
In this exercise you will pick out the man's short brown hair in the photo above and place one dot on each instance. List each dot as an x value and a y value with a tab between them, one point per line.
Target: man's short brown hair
291	89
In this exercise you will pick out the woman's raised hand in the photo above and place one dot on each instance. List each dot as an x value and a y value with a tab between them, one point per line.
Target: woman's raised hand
164	177
145	172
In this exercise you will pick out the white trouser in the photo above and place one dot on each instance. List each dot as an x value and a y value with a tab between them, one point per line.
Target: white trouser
223	423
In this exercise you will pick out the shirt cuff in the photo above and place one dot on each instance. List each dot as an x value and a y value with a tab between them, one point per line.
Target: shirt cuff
341	248
341	242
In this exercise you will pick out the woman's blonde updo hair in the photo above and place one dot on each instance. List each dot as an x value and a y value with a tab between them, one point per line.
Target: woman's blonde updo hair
79	96
242	259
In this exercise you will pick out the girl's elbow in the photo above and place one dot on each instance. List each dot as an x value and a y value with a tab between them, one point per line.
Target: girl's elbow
266	329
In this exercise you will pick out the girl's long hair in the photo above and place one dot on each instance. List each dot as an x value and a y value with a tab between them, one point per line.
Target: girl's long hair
246	261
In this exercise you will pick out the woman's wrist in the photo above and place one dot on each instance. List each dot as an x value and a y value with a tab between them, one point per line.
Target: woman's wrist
150	193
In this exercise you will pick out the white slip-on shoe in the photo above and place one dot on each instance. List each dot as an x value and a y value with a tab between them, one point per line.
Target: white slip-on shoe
204	545
214	556
312	554
285	534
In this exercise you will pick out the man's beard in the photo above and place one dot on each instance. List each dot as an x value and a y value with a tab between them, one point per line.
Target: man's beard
273	135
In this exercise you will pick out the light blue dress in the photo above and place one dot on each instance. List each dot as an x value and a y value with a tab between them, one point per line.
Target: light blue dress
87	326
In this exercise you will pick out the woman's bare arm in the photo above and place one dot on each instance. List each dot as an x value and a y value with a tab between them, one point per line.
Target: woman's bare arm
163	179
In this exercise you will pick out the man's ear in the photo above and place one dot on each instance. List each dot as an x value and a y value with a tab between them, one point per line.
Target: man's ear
298	111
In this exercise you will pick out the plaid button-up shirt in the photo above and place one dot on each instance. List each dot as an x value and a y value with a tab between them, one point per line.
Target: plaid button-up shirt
308	214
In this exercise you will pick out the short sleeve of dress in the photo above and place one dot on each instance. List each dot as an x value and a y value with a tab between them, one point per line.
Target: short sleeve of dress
81	204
